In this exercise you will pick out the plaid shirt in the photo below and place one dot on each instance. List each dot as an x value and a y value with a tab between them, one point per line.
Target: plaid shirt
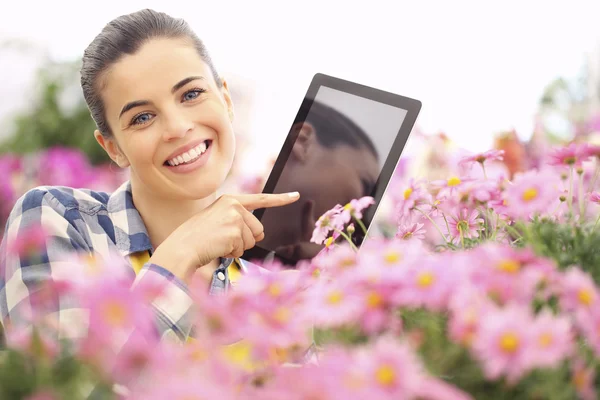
93	222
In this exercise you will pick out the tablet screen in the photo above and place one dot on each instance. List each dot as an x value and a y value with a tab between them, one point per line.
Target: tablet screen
342	142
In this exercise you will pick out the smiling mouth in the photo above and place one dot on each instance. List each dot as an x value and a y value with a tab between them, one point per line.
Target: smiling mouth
190	156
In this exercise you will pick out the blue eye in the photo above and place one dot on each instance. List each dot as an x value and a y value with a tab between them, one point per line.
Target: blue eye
192	94
141	119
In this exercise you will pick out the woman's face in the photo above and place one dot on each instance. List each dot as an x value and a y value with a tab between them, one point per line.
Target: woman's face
171	123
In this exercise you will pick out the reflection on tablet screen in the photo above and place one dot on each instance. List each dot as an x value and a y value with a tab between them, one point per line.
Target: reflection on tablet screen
340	149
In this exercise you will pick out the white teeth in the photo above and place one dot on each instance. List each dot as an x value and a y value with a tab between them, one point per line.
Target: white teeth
188	156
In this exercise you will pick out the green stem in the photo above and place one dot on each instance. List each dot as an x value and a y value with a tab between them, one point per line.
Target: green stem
362	226
347	238
597	219
462	237
434	224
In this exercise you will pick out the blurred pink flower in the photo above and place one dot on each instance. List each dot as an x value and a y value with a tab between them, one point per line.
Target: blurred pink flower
490	155
405	198
572	155
588	322
595	197
577	290
333	304
63	166
583	378
554	340
390	369
427	284
408	232
504	344
531	193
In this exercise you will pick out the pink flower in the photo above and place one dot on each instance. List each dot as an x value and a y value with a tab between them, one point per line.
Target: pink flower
553	340
427	284
577	290
583	378
408	232
327	223
504	343
465	224
531	193
572	155
467	305
389	369
30	242
595	197
115	311
407	198
490	155
334	303
588	322
355	208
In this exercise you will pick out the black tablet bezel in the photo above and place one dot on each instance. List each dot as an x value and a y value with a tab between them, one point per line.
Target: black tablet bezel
412	107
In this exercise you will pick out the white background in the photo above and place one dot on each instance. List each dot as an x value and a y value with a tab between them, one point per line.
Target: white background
478	67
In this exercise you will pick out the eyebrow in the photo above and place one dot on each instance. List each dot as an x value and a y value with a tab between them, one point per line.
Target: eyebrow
176	87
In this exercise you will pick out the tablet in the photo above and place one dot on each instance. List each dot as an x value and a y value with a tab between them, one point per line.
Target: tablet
344	144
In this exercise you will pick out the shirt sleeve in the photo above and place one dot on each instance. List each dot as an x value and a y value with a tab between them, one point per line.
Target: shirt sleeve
23	275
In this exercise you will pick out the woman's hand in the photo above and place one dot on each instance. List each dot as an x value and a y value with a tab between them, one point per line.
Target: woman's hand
226	228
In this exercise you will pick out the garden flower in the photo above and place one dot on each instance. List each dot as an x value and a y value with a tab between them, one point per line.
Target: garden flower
407	198
583	378
531	193
408	232
481	158
334	304
595	197
464	224
355	208
572	155
390	369
588	322
326	223
504	344
553	339
577	290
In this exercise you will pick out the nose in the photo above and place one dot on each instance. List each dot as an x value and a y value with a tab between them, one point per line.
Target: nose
176	126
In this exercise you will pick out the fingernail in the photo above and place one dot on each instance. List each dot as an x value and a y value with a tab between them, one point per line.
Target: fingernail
293	194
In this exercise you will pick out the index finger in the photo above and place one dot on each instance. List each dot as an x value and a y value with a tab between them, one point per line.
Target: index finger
265	200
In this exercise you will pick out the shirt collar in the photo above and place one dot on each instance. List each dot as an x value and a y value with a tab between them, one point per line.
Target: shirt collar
131	235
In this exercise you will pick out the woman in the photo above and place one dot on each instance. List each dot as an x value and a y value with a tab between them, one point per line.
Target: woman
161	110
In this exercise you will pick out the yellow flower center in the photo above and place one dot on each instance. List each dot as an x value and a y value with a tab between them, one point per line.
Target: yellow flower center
385	375
545	339
407	193
347	262
407	235
328	241
454	181
392	257
374	300
282	314
530	194
316	273
580	379
425	279
274	289
334	297
348	207
509	266
509	342
114	313
585	297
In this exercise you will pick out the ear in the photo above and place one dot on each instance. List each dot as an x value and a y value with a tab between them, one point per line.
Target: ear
305	140
227	98
112	149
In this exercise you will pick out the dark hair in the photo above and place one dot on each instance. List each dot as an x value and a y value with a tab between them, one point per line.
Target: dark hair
332	127
124	36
